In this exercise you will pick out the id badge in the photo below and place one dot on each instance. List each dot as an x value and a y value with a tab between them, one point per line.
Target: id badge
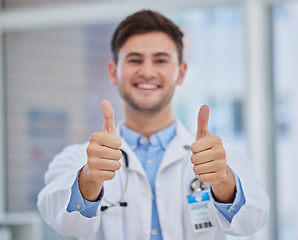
198	205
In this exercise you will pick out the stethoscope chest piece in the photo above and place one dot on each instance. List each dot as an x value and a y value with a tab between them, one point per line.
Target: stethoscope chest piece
198	186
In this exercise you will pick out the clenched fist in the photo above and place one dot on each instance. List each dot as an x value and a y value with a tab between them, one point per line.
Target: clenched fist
103	154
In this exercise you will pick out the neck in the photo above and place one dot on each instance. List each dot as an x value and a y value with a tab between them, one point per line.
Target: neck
146	123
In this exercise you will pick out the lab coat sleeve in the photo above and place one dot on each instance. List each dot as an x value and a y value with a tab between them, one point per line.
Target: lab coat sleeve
229	210
254	214
79	204
54	198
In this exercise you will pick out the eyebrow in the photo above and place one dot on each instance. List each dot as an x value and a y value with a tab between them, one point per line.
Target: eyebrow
158	54
161	54
134	54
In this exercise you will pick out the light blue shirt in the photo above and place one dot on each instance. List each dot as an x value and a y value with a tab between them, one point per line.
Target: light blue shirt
150	153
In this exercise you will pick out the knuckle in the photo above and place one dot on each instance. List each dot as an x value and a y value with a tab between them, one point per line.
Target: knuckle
217	140
93	164
220	152
117	143
193	147
94	136
117	165
195	169
201	178
193	159
110	175
90	150
118	155
91	174
90	163
223	164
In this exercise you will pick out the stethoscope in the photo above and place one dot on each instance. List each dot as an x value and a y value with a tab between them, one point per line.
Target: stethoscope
196	186
120	203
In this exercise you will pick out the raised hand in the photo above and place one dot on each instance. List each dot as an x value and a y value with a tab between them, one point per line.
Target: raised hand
103	154
209	159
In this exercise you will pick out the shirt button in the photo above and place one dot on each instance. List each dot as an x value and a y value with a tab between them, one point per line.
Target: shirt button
154	232
153	197
233	208
78	206
149	161
143	140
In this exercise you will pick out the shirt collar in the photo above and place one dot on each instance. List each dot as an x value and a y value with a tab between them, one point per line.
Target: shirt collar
161	138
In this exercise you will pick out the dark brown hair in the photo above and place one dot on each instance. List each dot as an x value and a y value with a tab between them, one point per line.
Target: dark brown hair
143	22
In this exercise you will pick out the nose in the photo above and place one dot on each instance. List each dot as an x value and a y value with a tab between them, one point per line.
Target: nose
147	70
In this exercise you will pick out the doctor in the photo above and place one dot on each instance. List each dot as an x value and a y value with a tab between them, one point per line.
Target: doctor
136	181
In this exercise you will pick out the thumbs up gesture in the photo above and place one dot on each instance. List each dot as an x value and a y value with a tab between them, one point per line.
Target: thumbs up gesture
103	154
209	159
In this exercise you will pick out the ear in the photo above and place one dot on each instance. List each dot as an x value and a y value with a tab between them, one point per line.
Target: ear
112	68
182	71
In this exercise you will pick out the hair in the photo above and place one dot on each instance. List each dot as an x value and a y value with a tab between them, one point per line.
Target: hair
145	21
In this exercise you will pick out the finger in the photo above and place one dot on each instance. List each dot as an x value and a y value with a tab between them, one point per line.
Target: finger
206	143
105	139
209	167
205	168
101	175
104	164
203	118
208	177
202	157
211	177
105	152
108	114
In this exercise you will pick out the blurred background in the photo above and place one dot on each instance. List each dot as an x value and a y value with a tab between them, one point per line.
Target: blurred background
242	61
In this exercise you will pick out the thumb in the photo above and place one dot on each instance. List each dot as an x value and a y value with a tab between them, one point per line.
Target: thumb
108	114
203	118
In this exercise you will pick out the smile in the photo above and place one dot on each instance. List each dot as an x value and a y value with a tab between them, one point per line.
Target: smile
146	86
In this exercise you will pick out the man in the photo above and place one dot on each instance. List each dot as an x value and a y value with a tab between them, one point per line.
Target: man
133	182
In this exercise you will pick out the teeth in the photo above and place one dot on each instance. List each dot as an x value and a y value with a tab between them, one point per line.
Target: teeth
146	86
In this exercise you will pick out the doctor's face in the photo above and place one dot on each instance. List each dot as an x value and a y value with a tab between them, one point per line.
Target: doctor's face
147	71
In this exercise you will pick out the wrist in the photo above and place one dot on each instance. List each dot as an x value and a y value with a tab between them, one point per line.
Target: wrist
225	191
89	188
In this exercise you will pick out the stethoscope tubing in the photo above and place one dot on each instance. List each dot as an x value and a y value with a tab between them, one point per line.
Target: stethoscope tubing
196	185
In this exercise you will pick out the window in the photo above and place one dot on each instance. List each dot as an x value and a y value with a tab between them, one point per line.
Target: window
285	22
211	36
55	80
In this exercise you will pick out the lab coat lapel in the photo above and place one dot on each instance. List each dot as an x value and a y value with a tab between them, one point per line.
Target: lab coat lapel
134	163
179	148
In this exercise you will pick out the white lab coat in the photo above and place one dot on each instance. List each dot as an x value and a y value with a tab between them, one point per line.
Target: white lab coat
172	185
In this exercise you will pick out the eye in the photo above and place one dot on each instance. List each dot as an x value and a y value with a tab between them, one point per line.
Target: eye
160	60
134	60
